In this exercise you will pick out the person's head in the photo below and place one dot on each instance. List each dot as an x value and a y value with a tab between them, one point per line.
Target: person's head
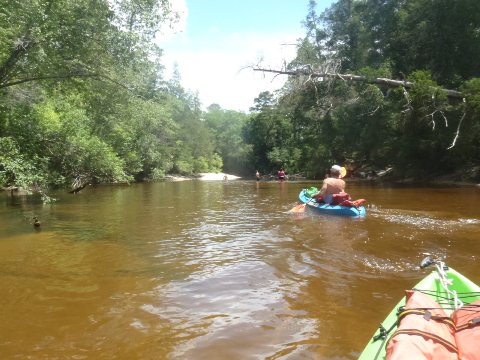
335	170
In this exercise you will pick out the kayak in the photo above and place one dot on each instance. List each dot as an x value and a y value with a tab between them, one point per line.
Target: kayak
331	209
451	292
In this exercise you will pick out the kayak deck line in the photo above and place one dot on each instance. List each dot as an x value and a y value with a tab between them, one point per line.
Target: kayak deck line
449	289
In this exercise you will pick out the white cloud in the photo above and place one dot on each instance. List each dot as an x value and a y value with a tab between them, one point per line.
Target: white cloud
213	66
222	76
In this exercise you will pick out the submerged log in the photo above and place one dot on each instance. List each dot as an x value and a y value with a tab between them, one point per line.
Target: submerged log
79	188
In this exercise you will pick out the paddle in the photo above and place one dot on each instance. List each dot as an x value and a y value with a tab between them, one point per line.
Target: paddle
300	208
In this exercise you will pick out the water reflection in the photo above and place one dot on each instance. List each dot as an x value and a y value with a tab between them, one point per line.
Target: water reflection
217	269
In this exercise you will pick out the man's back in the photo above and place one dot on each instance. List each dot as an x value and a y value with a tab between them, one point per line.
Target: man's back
333	186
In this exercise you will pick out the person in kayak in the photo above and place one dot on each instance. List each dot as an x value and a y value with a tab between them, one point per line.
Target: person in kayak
281	175
331	185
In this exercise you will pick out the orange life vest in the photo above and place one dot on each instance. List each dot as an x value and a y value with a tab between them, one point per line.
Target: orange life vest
355	203
338	199
467	335
425	331
342	199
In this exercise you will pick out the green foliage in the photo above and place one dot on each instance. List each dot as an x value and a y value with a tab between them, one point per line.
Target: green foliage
226	131
200	165
92	158
184	167
84	100
429	43
18	170
471	89
216	163
278	156
384	71
158	174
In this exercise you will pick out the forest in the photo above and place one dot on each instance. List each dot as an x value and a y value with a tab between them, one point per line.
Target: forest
376	84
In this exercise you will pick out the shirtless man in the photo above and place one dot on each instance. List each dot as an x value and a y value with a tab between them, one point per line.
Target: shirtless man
331	185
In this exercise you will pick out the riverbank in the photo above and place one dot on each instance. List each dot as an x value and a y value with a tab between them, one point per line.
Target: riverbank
204	176
416	182
457	179
219	176
466	177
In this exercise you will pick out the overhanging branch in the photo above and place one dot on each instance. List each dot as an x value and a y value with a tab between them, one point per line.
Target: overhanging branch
380	81
46	77
351	77
62	77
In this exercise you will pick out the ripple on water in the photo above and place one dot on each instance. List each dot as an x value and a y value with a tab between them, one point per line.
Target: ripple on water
223	305
204	271
382	265
422	221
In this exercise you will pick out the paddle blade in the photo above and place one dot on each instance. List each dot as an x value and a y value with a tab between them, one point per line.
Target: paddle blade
359	202
343	172
299	208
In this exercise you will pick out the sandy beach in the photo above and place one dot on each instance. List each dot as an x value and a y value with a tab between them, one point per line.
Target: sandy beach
219	176
204	176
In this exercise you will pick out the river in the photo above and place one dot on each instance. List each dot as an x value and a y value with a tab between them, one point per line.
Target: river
218	270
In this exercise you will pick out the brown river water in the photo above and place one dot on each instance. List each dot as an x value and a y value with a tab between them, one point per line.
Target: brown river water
218	270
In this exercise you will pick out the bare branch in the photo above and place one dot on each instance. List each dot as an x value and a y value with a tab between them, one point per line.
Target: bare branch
64	76
458	131
351	77
47	77
370	113
326	74
408	106
21	46
445	118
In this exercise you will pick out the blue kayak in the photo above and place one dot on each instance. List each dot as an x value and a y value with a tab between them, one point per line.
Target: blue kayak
331	209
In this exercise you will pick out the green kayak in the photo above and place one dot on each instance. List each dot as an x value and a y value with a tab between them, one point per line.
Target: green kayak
450	289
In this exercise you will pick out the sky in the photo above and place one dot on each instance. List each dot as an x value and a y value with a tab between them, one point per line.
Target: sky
216	41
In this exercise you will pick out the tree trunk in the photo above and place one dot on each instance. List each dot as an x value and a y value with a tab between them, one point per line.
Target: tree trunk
350	77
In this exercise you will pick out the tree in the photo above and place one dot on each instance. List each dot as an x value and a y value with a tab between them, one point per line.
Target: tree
226	129
82	82
69	39
370	86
